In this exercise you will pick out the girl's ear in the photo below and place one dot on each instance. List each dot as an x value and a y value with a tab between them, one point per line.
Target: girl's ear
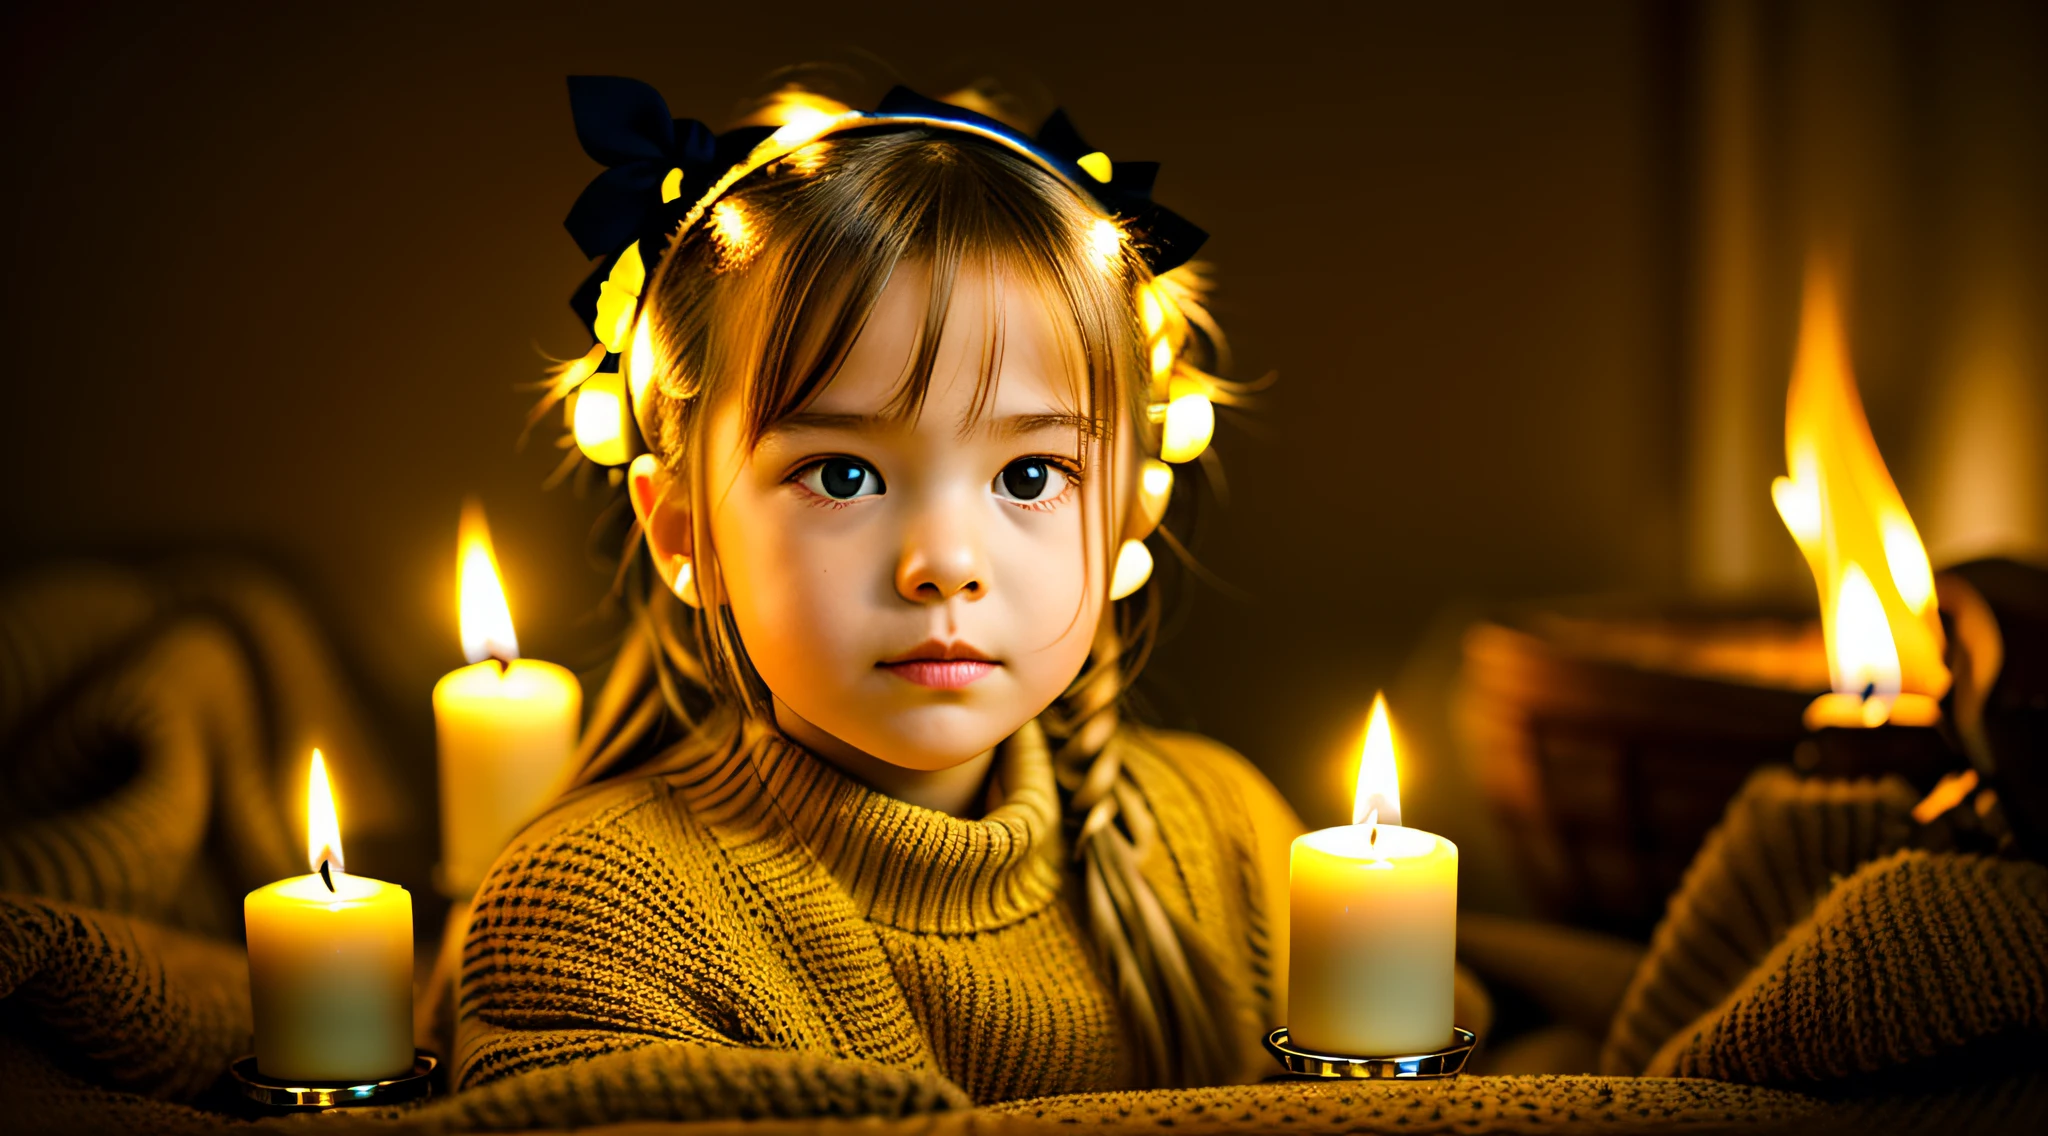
664	513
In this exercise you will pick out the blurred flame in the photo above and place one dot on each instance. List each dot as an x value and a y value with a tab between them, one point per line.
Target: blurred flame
1878	614
480	598
323	827
1379	784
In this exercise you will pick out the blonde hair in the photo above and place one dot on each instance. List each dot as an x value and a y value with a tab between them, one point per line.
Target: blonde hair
762	299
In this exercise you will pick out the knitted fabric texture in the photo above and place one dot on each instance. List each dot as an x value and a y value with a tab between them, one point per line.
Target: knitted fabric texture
148	721
1782	842
760	935
1911	957
151	725
1802	949
758	938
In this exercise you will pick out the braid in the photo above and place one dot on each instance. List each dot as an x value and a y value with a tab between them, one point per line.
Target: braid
1155	968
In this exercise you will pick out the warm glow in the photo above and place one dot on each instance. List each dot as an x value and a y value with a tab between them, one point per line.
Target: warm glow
1097	164
1884	637
1379	784
640	361
733	231
1864	660
1133	568
323	827
685	585
1151	309
801	123
1190	423
600	419
618	297
1907	558
1162	358
1952	790
1155	489
485	618
1107	240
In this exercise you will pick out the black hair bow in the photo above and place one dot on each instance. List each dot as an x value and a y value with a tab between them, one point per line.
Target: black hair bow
625	125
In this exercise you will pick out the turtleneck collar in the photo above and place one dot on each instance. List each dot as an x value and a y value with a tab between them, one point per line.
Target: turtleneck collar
912	868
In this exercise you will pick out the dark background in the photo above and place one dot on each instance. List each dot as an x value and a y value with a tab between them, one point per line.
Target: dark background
1527	274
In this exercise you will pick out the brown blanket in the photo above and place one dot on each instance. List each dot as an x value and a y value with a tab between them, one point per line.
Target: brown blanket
1805	946
1808	975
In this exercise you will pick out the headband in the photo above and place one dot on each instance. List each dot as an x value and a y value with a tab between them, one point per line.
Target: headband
664	174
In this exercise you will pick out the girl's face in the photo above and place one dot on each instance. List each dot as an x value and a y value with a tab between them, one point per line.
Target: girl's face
916	588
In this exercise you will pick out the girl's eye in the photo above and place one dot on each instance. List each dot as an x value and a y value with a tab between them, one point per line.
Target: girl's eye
1030	479
842	479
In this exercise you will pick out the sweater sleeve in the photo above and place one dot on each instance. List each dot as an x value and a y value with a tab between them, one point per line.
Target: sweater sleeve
614	969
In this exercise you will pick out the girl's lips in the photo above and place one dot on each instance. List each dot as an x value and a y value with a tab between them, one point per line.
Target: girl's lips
940	674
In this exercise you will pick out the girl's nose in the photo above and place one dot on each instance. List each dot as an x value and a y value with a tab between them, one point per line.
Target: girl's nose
942	557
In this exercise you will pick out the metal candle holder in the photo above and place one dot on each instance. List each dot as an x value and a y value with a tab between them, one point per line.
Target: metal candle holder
1445	1062
412	1085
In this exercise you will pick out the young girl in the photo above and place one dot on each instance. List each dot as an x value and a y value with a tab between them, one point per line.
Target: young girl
859	827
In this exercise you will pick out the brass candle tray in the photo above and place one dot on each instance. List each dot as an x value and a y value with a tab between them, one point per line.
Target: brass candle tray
1446	1062
412	1085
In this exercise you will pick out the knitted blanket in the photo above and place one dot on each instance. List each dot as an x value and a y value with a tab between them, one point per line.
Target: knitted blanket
148	725
1811	974
1806	945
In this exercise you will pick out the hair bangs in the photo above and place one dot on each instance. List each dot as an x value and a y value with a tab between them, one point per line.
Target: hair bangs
895	201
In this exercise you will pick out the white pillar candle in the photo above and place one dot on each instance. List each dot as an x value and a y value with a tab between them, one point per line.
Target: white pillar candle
1374	939
506	726
1373	910
330	965
506	735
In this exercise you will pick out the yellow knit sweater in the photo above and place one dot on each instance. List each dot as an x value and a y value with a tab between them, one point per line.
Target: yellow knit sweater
759	934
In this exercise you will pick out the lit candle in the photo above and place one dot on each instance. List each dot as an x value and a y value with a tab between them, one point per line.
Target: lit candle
1879	611
1374	916
330	963
506	725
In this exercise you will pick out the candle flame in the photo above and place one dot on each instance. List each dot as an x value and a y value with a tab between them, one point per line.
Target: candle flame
1878	615
323	827
1865	659
480	598
1379	783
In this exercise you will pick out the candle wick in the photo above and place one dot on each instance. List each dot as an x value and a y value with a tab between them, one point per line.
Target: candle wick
326	876
504	664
